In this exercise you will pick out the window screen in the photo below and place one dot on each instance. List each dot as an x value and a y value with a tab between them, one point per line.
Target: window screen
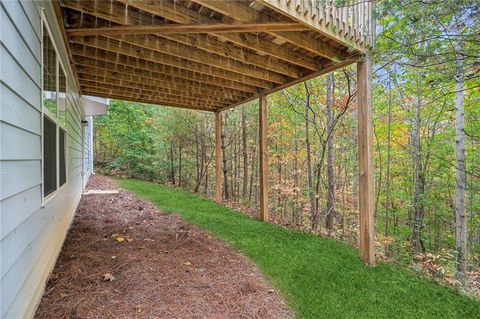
62	142
62	98
49	156
49	74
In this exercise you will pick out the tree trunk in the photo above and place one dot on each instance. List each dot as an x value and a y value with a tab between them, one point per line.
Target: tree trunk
418	176
297	214
330	214
180	165
252	174
387	182
233	165
460	206
225	166
172	166
245	154
311	196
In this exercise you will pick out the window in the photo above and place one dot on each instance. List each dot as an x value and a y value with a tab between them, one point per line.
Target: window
54	108
63	172
49	156
49	74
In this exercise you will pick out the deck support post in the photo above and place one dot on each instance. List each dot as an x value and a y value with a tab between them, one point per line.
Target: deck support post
218	157
263	157
365	142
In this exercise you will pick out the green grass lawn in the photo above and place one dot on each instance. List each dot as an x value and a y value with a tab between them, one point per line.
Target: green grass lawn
319	277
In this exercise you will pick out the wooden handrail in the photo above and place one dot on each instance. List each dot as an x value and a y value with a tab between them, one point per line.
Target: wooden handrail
350	23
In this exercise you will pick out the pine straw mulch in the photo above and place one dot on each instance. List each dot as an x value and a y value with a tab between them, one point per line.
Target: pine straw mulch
163	268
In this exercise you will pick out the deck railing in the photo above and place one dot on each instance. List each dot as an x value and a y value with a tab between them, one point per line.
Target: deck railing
349	21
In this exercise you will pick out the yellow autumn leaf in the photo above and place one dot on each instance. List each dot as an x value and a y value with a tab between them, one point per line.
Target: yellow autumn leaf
120	239
108	277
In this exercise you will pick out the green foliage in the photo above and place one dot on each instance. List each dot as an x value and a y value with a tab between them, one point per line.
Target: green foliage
321	278
128	133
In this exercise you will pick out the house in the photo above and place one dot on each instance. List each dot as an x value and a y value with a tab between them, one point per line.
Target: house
46	150
54	54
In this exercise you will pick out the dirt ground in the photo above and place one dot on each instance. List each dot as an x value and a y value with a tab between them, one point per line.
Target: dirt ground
123	258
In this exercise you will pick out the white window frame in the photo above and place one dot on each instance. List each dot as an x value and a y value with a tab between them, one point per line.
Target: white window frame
54	118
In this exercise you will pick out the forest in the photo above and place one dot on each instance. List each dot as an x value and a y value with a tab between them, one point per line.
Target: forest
426	119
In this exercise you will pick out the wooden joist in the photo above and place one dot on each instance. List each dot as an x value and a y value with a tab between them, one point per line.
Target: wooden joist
116	13
143	99
181	15
187	29
211	49
89	79
118	89
167	46
153	98
161	81
194	65
243	13
98	58
213	44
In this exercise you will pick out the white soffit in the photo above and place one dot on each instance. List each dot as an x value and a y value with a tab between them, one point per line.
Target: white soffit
93	105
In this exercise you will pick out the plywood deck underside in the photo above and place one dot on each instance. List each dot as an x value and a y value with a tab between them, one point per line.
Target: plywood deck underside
198	70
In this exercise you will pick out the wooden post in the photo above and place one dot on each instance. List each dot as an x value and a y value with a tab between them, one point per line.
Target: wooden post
365	141
263	167
218	157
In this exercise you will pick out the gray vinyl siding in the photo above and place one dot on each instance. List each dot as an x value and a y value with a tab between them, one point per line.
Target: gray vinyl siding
31	235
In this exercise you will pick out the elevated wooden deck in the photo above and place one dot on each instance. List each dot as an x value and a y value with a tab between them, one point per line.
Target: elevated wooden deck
208	54
212	55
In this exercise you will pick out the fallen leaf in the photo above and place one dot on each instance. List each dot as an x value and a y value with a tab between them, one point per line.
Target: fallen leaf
108	277
120	239
187	263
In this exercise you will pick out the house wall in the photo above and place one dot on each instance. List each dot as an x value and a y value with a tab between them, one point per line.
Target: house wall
31	235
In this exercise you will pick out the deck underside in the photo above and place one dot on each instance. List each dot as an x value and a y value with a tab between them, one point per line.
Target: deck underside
203	54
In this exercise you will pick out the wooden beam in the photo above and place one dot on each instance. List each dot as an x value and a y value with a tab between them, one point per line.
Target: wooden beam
263	158
215	53
135	51
118	89
365	151
327	69
182	15
218	157
191	53
212	44
187	29
155	99
281	58
86	79
243	13
89	57
163	82
102	93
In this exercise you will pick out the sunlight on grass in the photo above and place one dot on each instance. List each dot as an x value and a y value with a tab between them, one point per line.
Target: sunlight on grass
319	277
